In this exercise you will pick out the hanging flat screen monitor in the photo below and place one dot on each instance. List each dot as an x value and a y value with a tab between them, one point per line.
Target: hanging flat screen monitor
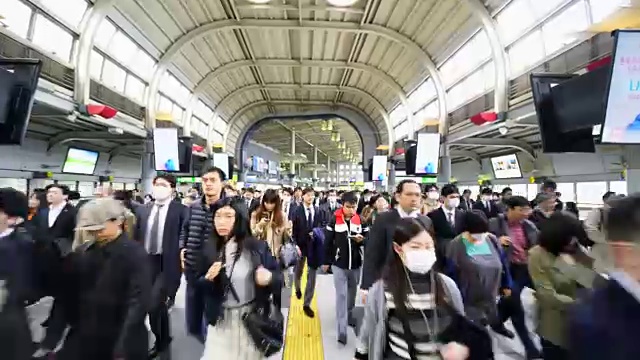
79	161
165	148
427	154
622	114
18	84
221	160
506	167
379	168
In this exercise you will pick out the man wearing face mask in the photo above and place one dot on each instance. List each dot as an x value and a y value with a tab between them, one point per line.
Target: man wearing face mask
158	226
17	285
288	205
486	204
432	201
378	247
465	201
109	295
604	325
331	205
447	220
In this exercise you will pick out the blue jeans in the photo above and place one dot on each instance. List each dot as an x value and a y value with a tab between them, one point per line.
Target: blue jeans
194	312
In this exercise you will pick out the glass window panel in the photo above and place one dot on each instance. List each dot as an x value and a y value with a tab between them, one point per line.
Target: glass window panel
86	189
526	52
590	193
165	105
600	9
135	89
52	37
18	184
216	137
421	95
142	64
514	20
114	76
474	84
105	33
489	75
618	187
398	115
16	16
456	96
203	110
70	11
177	114
96	65
402	130
544	8
563	29
566	192
122	48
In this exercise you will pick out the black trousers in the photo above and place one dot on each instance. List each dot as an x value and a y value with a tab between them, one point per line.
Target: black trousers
159	312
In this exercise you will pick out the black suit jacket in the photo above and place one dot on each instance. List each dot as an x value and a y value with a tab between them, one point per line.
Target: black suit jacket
378	247
291	213
176	216
301	227
63	230
444	232
464	205
492	212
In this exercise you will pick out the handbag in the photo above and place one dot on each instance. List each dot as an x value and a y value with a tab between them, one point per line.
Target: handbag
266	331
288	253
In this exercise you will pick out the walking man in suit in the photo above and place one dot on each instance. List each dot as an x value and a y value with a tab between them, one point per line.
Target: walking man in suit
158	226
447	220
308	217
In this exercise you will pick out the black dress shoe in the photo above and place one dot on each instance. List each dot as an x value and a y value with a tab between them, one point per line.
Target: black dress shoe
342	339
159	348
298	294
307	311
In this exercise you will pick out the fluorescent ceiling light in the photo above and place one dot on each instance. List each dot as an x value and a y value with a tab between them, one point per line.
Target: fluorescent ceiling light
259	1
342	3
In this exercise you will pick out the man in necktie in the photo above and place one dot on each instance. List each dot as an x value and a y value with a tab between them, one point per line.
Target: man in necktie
308	217
158	226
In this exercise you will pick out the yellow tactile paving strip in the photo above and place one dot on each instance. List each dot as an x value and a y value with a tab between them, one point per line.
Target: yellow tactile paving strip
304	336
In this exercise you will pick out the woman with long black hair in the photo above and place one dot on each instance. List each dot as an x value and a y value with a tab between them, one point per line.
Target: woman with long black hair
416	312
237	273
268	222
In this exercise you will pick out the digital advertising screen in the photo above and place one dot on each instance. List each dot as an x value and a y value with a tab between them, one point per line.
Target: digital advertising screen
165	147
622	115
80	161
221	161
379	168
506	167
427	154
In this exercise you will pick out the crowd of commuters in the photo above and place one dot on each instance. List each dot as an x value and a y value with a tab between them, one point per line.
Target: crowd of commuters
437	272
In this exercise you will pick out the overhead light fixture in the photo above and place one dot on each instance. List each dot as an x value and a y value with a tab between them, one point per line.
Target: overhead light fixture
342	3
259	1
503	130
344	144
324	125
329	125
334	136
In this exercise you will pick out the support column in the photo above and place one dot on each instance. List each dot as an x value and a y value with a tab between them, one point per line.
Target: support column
328	178
293	152
187	115
391	181
314	175
445	164
148	168
88	29
209	145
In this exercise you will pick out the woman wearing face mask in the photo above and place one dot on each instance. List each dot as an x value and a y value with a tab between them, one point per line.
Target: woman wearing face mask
559	268
479	266
431	201
416	312
377	205
237	274
268	222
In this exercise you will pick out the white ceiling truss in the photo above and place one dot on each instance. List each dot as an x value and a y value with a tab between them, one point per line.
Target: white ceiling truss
252	60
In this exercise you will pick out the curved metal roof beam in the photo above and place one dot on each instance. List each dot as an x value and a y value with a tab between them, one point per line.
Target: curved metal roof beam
224	25
88	29
501	91
467	154
500	142
243	111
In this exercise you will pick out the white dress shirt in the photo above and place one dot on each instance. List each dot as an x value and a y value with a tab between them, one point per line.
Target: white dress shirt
54	212
450	215
403	214
307	210
163	217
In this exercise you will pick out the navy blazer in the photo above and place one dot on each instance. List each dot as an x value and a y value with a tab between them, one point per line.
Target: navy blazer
176	217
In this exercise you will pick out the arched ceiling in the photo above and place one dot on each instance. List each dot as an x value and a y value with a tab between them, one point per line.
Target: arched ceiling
250	61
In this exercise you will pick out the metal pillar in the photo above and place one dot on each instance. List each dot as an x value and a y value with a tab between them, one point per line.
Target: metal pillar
292	171
315	169
88	29
446	164
210	145
328	178
187	115
148	166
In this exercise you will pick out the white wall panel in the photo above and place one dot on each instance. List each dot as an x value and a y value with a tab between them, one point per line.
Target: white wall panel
33	156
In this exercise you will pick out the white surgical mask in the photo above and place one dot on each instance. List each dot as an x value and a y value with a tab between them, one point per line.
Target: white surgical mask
161	193
433	195
453	203
486	197
420	261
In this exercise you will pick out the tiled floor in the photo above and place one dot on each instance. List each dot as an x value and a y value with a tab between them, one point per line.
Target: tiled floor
187	348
